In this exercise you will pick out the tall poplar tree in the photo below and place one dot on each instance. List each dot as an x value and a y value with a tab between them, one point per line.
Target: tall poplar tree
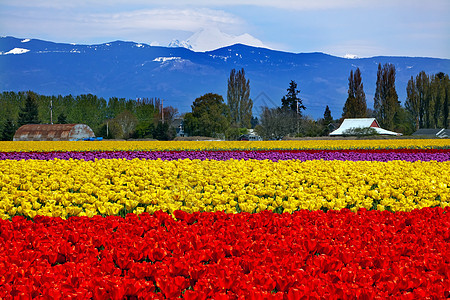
356	105
238	99
430	93
422	88
438	87
386	104
412	103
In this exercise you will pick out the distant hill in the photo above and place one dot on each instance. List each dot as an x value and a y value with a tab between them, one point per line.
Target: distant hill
179	75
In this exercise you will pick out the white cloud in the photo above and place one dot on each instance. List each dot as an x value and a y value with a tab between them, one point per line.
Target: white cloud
166	19
142	25
284	4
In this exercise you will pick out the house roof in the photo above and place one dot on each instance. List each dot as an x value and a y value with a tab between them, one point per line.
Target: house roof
440	132
362	123
177	122
53	132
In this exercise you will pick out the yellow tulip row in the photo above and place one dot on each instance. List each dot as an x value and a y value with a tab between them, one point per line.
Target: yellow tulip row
115	187
41	146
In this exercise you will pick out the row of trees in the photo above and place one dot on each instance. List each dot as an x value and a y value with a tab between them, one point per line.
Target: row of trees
427	100
426	106
140	118
116	118
210	115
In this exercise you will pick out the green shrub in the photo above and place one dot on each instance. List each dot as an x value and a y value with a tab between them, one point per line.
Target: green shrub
360	131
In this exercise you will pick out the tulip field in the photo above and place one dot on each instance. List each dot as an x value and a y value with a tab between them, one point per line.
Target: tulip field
315	219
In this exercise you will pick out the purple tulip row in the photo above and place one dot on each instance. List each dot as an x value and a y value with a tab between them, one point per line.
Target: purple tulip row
227	155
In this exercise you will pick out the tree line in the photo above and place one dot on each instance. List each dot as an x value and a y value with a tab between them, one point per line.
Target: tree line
427	100
426	106
122	118
117	118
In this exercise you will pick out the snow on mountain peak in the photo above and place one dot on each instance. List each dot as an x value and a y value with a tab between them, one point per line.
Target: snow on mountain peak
180	44
350	56
164	59
212	38
16	51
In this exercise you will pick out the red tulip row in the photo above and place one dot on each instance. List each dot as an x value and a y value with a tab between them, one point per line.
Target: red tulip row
338	254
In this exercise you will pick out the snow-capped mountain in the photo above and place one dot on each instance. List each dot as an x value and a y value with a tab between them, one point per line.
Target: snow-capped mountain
179	75
180	44
208	39
351	56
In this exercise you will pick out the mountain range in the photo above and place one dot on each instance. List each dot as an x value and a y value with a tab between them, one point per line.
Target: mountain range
180	75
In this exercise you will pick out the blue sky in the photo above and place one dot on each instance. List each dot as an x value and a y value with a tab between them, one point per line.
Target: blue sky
360	27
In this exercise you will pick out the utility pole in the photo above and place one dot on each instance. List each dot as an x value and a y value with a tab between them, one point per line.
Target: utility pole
298	126
162	110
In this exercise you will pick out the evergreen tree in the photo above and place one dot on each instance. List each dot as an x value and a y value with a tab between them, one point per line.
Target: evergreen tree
254	122
386	104
62	118
238	99
29	113
291	101
326	121
356	105
163	132
9	129
90	110
148	110
327	118
144	129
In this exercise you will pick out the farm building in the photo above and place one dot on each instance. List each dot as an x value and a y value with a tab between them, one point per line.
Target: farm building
179	126
430	133
250	137
361	123
53	132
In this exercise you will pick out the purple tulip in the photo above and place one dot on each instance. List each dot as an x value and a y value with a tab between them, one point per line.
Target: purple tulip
275	155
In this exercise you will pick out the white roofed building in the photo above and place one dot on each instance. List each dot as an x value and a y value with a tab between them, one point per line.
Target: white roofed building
361	123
